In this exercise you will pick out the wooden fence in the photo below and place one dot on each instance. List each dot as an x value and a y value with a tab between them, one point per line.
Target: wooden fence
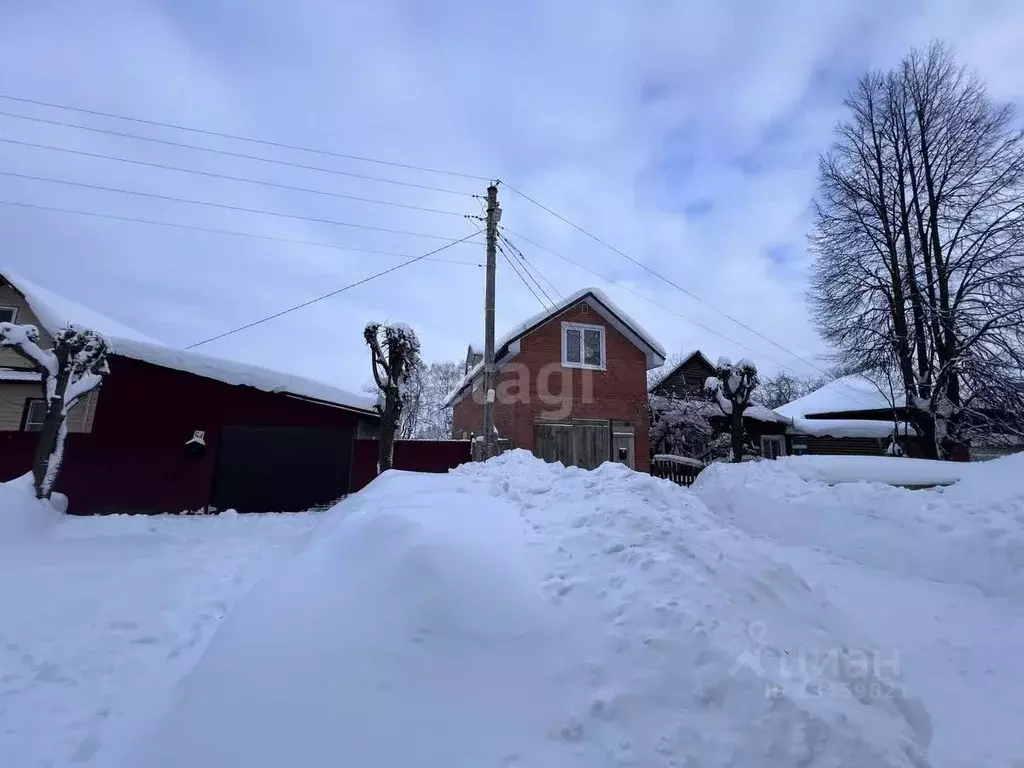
680	473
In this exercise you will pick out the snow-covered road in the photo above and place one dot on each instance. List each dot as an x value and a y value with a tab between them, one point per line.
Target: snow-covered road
101	617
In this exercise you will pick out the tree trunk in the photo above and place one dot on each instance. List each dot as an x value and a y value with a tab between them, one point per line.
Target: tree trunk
388	427
736	430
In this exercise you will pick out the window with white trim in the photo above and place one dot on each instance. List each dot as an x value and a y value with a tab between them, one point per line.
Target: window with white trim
583	346
8	314
35	415
773	446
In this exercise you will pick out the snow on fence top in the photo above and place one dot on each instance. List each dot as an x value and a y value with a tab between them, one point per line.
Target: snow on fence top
612	313
56	312
673	459
849	393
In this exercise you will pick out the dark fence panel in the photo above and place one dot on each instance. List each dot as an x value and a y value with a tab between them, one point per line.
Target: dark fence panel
412	455
677	472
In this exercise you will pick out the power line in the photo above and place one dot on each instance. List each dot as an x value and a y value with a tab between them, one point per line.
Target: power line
522	279
330	294
212	175
213	230
253	140
227	153
661	277
527	265
223	206
720	335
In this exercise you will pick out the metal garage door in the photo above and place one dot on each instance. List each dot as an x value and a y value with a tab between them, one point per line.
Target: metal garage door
281	469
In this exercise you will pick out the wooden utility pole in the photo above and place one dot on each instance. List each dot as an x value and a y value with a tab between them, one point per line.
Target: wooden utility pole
493	216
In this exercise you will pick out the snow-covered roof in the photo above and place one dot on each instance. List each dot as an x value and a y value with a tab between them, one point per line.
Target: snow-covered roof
848	428
56	312
611	312
684	361
18	374
849	393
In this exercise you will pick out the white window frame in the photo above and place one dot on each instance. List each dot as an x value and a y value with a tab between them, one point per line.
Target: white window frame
34	402
14	313
581	327
780	439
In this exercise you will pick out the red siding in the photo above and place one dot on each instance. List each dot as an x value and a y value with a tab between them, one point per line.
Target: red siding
618	393
135	459
412	455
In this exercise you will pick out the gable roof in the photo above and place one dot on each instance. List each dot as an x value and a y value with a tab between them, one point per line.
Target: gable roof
696	353
56	312
626	325
845	394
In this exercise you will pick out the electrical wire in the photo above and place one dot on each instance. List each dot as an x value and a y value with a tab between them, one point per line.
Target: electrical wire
214	230
227	153
212	175
328	295
222	206
661	277
237	137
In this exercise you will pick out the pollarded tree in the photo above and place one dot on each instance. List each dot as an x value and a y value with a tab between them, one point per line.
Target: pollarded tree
395	358
733	387
71	370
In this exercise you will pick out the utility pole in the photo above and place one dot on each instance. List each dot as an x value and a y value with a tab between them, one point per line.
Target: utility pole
493	217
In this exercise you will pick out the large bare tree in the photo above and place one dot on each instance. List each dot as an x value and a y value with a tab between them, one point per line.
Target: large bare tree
919	243
69	371
394	358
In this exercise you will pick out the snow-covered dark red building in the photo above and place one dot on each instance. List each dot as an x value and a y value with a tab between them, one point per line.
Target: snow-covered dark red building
273	441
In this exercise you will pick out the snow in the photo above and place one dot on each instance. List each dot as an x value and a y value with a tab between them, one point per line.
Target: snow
101	617
958	535
933	574
848	393
11	374
517	613
848	428
56	312
679	460
655	354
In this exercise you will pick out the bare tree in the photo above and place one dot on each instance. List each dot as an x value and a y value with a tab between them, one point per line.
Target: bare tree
918	234
395	357
441	379
733	388
775	391
69	371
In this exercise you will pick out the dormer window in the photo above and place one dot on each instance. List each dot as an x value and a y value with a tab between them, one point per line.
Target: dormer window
583	346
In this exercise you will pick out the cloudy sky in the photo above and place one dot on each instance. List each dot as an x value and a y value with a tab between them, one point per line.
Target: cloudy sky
683	133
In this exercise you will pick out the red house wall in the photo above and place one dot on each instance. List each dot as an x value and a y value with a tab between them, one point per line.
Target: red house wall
135	460
618	393
413	455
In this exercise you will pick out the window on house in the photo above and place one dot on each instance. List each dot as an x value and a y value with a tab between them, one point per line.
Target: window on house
583	346
35	414
773	446
8	314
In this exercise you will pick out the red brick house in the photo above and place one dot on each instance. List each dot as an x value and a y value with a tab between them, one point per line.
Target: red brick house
571	385
271	441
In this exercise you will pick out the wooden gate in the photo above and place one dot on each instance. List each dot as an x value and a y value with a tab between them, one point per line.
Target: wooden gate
585	443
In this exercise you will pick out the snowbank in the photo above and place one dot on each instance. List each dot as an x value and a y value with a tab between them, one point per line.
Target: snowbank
872	469
968	533
23	517
517	613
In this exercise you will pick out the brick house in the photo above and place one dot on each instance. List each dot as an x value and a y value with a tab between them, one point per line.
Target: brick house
570	385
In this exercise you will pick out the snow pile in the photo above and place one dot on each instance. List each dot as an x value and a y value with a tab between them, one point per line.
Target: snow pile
23	517
969	533
516	613
848	393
